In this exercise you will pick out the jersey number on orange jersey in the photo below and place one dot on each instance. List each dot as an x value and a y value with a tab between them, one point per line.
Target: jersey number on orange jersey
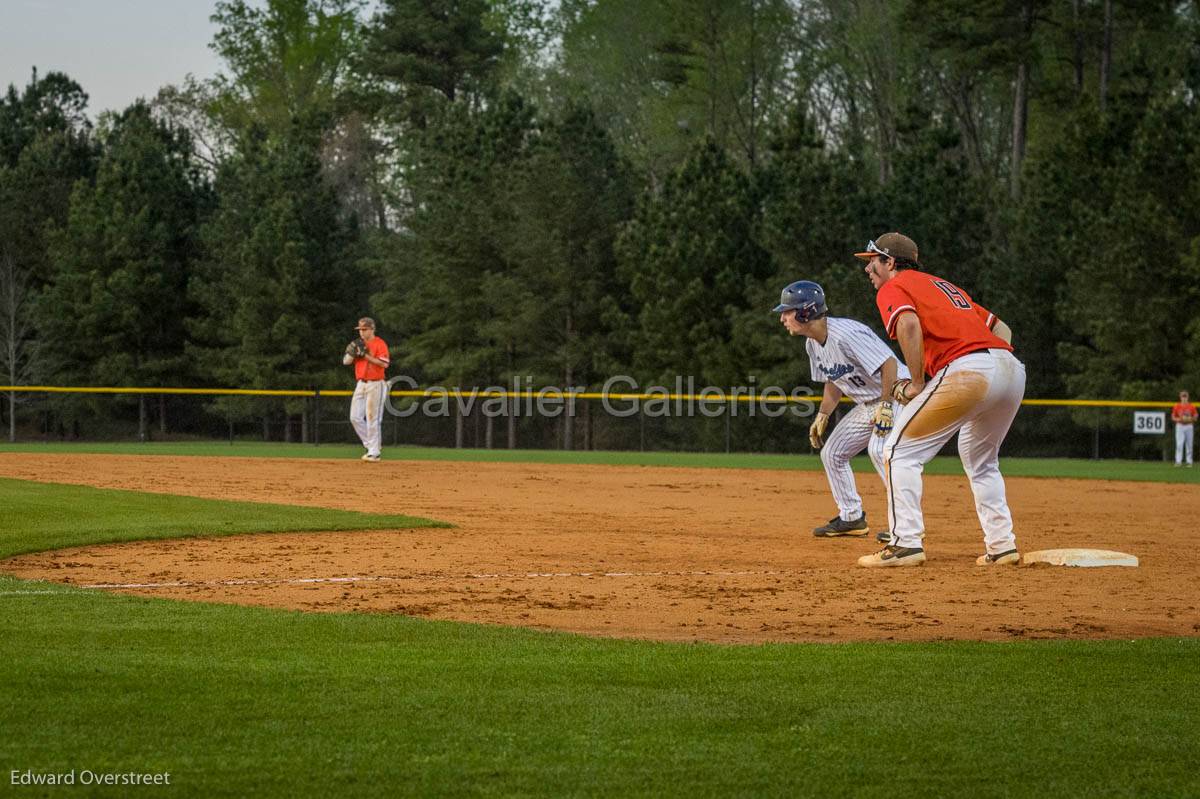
951	291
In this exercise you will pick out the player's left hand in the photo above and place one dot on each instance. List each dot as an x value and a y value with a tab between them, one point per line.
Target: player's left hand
883	418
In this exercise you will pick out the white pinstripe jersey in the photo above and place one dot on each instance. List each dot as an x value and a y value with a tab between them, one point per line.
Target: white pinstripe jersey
851	357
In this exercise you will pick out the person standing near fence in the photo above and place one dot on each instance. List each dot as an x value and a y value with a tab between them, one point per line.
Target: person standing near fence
975	387
1184	417
369	355
851	361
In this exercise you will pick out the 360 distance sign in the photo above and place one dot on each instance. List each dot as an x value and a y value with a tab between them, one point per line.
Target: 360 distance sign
1150	423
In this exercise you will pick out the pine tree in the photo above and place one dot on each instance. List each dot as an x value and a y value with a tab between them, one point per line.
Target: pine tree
116	307
278	290
693	263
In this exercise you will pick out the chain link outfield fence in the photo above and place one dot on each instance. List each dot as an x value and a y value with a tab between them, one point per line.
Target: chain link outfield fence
502	420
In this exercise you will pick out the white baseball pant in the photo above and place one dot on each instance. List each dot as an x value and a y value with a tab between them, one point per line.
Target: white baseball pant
976	396
366	413
852	434
1183	443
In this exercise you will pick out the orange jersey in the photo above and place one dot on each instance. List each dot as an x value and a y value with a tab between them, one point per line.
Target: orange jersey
364	369
1182	409
952	325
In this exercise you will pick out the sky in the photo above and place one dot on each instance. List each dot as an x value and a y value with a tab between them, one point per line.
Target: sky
117	50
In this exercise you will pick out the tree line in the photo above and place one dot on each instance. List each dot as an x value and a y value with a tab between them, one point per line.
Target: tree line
576	189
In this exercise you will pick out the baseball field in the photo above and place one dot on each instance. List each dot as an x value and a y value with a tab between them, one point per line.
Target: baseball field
285	620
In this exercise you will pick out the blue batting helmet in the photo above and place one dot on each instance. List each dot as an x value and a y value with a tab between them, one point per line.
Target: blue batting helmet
804	297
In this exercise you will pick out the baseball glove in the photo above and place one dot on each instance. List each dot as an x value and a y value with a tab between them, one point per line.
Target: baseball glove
357	348
816	431
883	419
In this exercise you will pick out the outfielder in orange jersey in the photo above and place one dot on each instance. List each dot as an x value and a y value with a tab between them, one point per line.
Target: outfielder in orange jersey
369	356
1183	414
974	388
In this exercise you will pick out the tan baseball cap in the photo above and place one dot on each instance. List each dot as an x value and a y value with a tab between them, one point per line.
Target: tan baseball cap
366	322
893	245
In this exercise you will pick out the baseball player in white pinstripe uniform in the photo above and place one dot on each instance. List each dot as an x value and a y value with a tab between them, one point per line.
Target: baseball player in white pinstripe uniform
851	361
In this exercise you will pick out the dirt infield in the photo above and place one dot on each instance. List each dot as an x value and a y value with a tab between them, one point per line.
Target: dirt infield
669	554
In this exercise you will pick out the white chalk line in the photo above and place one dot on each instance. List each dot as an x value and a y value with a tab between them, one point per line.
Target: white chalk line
413	577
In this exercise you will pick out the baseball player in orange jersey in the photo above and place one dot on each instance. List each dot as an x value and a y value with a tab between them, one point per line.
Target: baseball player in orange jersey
974	388
370	358
1183	414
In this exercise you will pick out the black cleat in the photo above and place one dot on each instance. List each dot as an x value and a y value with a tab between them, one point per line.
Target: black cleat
837	526
884	538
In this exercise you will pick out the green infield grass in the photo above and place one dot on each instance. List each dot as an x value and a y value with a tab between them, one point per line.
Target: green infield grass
53	516
1151	471
235	701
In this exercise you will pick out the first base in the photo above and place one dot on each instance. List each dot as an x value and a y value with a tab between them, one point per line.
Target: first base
1080	557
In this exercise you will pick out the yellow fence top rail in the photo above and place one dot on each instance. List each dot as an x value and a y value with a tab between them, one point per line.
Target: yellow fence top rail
151	390
545	393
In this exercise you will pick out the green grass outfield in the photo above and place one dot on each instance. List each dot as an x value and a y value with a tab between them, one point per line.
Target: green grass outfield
235	701
1151	471
42	516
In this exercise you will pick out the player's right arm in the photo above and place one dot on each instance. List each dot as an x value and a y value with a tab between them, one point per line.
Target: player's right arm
999	329
830	398
1003	332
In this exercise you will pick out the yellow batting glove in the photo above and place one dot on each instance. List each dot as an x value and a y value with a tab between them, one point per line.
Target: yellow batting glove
816	431
883	418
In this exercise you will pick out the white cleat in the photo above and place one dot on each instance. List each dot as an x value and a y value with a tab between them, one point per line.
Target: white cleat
1009	558
893	556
